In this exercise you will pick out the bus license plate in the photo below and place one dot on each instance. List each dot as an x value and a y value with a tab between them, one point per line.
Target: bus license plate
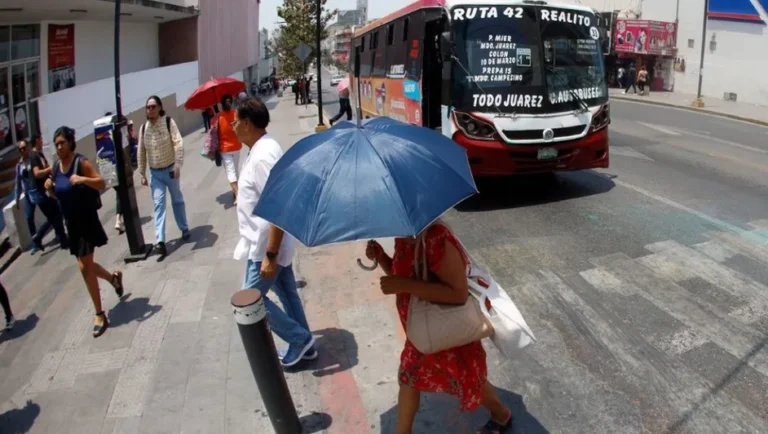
547	153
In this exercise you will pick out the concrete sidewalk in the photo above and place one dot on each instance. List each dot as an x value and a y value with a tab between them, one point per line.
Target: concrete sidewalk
746	112
173	361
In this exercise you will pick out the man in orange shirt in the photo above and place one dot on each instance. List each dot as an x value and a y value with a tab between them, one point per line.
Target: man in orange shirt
229	143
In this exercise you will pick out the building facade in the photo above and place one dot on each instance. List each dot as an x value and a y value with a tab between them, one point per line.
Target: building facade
57	63
734	46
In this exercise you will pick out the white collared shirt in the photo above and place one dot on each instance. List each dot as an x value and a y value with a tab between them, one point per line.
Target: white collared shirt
254	231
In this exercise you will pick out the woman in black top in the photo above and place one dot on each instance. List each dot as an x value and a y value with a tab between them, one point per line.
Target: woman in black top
76	184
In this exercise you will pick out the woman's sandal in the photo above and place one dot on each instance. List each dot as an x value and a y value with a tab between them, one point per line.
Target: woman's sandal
99	330
117	282
493	427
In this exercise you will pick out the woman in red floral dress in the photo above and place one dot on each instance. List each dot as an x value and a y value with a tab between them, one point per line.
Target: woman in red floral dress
460	371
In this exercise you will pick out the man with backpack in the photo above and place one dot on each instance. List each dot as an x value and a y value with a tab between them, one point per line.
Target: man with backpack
161	148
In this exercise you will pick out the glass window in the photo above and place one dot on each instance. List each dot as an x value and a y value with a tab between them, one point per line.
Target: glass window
4	103
33	80
25	41
5	43
17	84
405	29
34	118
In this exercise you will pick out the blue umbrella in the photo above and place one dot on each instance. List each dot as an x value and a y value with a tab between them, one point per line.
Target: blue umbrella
382	179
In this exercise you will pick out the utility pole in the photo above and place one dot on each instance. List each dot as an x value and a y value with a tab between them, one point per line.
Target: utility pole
699	102
318	32
126	193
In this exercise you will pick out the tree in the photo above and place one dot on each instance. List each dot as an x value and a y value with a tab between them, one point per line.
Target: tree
299	27
340	65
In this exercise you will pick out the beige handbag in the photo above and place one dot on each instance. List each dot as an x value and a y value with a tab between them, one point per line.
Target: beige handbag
432	327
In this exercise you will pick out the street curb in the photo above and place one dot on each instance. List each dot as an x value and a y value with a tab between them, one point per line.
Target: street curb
693	109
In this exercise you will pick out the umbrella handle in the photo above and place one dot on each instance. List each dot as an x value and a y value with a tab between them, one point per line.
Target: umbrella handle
367	267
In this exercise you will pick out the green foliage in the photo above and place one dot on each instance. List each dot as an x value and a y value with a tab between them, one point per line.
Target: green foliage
299	26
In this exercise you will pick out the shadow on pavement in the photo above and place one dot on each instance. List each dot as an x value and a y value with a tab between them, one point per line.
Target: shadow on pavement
22	327
227	200
315	422
527	190
203	237
440	414
19	420
337	352
127	311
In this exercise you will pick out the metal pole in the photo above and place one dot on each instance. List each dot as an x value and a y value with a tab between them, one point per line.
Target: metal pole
318	10
126	194
251	318
703	46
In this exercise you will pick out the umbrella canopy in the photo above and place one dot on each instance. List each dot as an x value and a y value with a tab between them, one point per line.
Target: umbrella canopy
343	85
211	92
383	179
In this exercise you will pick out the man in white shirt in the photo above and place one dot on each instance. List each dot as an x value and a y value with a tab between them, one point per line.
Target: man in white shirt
268	250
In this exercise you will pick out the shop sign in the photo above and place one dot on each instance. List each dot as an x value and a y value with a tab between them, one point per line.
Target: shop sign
646	37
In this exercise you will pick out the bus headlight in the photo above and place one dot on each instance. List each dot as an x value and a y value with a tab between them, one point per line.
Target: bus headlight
602	118
474	128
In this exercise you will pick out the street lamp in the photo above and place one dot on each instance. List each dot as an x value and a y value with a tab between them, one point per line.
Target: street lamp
699	102
320	123
126	193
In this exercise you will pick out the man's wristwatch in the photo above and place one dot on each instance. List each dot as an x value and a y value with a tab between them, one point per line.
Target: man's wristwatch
271	256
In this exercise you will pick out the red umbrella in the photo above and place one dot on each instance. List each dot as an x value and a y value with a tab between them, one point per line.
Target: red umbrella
211	92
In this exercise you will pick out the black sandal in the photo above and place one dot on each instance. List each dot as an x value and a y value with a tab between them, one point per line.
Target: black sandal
99	330
493	427
117	283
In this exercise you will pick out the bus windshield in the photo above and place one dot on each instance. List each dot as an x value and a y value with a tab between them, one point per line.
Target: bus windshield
525	59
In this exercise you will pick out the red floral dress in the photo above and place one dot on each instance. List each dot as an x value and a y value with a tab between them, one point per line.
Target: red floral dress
460	371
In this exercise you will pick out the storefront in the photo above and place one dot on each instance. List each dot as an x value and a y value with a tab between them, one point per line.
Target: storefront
19	82
650	44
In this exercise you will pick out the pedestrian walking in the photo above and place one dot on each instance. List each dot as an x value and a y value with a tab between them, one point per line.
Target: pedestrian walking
460	371
345	107
31	172
207	116
631	79
266	248
37	144
10	321
229	143
295	89
161	148
642	79
620	76
76	184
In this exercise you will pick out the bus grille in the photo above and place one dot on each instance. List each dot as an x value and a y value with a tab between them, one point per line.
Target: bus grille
539	134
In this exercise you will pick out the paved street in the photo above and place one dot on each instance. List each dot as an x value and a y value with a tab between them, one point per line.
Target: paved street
646	286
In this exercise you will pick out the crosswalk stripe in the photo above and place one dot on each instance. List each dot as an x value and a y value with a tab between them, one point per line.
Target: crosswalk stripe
632	353
708	320
690	263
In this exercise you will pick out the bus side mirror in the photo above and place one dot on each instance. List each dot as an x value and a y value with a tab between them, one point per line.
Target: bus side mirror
446	45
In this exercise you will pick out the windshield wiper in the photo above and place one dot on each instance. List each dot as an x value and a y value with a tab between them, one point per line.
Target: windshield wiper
582	104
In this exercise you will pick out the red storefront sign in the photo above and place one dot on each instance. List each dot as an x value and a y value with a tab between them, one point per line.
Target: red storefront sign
61	56
645	37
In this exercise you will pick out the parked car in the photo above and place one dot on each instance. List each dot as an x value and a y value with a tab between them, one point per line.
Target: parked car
336	79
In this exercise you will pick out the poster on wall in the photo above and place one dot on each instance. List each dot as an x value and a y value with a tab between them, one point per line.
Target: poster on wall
61	56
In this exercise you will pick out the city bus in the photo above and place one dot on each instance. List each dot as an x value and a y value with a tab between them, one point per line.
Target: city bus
519	83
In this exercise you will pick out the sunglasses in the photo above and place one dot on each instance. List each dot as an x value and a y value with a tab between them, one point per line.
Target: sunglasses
151	106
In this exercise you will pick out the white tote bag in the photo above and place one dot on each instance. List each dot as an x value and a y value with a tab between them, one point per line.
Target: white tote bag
510	332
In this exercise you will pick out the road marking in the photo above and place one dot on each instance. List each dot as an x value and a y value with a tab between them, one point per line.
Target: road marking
626	151
660	128
748	235
751	165
726	142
